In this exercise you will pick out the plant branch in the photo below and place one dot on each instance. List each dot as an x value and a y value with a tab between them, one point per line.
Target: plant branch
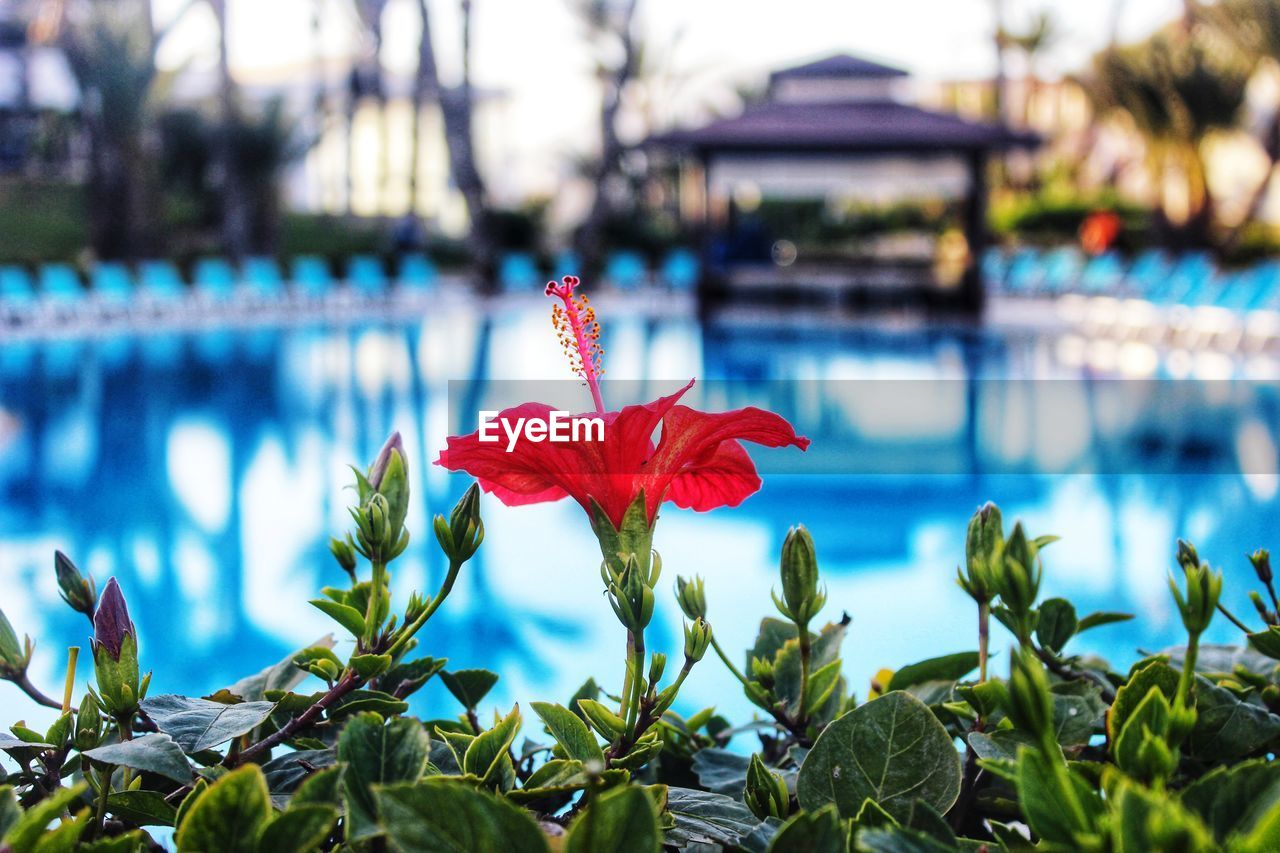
349	682
1062	669
407	632
24	684
1232	619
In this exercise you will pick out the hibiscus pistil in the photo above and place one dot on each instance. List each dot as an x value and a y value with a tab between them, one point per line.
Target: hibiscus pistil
579	333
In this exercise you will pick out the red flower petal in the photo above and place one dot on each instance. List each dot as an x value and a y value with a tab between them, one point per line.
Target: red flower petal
726	479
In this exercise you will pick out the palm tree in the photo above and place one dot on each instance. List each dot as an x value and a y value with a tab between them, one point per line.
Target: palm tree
609	25
1040	34
1175	89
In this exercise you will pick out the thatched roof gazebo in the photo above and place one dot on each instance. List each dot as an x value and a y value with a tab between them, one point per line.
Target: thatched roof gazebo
840	125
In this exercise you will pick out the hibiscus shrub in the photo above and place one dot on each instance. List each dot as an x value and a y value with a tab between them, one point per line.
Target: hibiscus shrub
319	751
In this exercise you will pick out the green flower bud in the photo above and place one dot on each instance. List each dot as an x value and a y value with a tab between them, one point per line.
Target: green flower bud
1260	606
1030	707
697	638
801	599
763	671
461	535
692	597
389	477
1187	555
657	666
344	551
766	792
77	591
115	653
88	723
984	547
1261	560
631	597
378	470
1196	607
1020	572
14	656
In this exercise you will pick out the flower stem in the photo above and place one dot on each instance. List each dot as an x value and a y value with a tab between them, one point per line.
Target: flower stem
637	680
715	644
69	686
806	653
984	638
375	594
24	684
406	633
1232	619
1187	678
104	791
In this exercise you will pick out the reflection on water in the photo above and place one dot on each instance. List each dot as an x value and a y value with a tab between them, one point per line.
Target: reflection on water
207	471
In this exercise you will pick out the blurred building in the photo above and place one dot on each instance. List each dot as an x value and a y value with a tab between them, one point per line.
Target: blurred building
837	140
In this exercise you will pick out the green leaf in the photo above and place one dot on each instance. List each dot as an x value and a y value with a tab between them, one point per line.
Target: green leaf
1224	796
364	701
899	839
892	749
1259	830
346	616
406	678
285	772
1154	674
1100	618
469	686
705	818
443	815
9	809
1144	820
1001	744
822	683
378	753
370	666
1045	804
1056	624
324	787
282	676
570	732
721	771
154	753
198	724
145	808
1267	642
818	831
556	777
228	817
946	668
1227	727
489	748
603	720
24	833
622	820
300	829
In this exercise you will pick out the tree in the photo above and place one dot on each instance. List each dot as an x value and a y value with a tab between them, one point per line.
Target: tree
1032	42
610	27
1175	89
456	108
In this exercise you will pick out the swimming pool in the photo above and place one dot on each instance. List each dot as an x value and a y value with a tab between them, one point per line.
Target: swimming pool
206	471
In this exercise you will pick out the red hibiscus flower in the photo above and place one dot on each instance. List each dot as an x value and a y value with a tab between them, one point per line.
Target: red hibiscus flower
696	460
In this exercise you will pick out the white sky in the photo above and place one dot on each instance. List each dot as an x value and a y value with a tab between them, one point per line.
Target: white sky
533	52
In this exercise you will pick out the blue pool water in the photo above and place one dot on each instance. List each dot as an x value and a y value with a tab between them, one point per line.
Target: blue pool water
206	471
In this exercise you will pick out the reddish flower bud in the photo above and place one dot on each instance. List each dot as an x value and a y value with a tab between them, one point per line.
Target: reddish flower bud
379	469
111	623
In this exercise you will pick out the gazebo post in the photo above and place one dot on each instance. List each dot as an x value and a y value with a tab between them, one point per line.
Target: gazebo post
972	288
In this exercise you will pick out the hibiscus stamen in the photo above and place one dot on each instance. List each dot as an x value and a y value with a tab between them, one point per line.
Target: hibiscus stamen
579	333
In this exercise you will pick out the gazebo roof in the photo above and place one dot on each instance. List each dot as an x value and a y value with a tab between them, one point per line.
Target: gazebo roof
869	127
839	66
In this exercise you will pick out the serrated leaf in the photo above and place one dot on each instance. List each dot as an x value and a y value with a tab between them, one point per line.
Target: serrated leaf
1128	696
819	831
229	815
282	676
1228	727
608	724
142	807
442	815
24	833
1225	796
892	750
370	666
378	753
705	818
622	820
483	754
198	724
570	732
285	772
154	753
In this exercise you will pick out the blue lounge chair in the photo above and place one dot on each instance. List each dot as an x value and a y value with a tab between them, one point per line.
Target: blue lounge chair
1102	274
17	295
625	270
1149	271
416	272
215	280
366	276
680	269
311	276
60	284
994	267
1062	268
1264	287
566	263
263	278
159	281
518	273
1025	272
111	284
1187	279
